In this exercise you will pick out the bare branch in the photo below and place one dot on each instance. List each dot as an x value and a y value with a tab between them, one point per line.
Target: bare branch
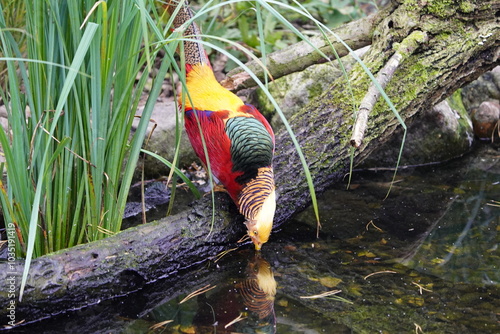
406	48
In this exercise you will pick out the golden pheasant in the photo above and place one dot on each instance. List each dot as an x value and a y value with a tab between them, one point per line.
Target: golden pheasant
239	141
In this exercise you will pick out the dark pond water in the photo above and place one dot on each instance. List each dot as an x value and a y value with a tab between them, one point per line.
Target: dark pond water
424	260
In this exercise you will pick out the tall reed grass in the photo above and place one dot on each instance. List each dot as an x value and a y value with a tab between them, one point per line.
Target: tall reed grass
71	98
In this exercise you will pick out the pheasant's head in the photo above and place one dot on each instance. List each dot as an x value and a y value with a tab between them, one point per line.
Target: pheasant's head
260	228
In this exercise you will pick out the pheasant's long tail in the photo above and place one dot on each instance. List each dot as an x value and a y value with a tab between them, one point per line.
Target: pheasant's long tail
193	50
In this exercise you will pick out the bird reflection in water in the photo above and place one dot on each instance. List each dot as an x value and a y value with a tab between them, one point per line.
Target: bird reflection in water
246	306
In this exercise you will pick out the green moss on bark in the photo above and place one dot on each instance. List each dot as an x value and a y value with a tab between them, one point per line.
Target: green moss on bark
441	8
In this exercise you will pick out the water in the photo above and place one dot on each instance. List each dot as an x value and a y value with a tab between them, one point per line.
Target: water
424	260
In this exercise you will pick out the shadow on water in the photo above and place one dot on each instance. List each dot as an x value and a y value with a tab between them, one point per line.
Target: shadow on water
424	260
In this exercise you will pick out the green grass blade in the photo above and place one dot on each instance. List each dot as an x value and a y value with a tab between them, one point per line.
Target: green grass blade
141	129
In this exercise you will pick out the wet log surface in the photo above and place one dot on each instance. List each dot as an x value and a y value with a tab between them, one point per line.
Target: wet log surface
128	261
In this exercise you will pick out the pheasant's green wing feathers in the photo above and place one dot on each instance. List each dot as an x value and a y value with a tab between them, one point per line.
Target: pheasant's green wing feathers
251	145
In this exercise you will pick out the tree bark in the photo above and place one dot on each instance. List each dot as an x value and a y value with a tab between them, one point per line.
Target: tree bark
463	43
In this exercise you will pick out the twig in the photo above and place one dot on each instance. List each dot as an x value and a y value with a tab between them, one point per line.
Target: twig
235	320
14	325
494	203
160	324
421	288
376	227
58	141
321	295
223	253
105	231
406	48
381	272
243	239
197	292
